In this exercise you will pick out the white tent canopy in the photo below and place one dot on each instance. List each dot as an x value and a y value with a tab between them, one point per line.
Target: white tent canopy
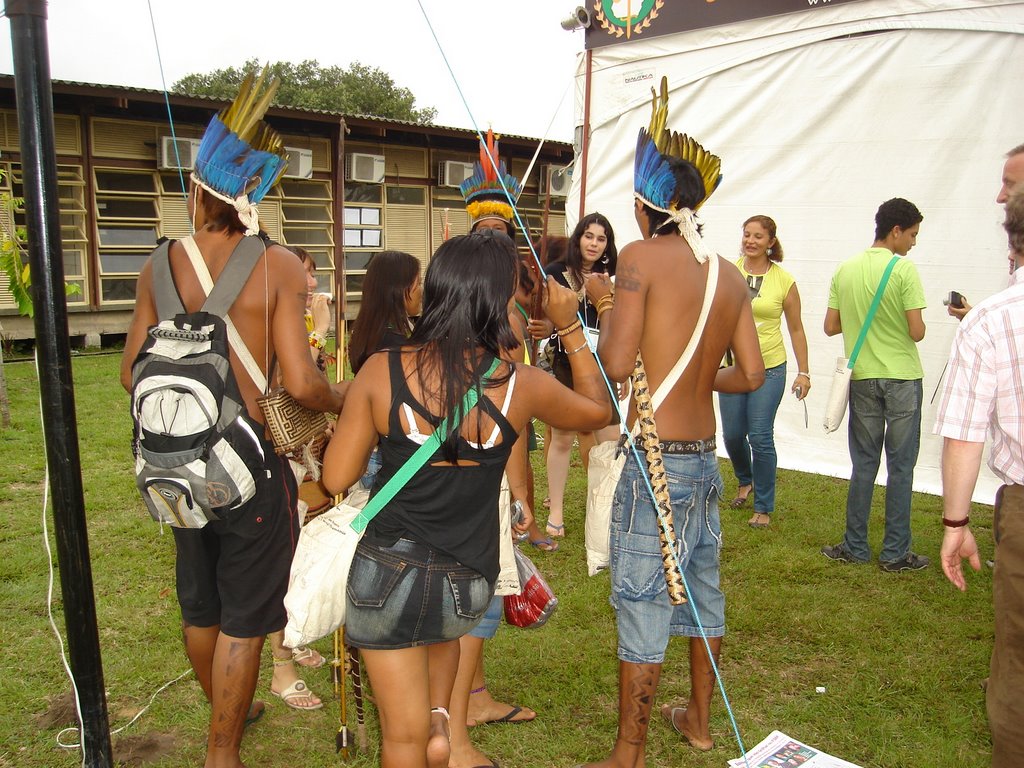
819	116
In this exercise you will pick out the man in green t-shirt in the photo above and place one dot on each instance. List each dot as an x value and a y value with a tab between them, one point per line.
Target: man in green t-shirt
885	391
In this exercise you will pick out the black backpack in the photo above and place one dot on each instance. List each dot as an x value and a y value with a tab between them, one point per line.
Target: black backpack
197	454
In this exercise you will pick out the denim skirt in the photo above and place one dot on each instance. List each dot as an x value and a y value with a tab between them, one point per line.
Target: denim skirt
408	594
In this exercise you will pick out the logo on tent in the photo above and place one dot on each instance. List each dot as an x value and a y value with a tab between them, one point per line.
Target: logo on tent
625	18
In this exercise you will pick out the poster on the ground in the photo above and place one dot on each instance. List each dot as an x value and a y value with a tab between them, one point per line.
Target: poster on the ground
778	750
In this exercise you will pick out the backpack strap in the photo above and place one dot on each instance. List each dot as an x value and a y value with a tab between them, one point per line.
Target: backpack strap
165	295
226	290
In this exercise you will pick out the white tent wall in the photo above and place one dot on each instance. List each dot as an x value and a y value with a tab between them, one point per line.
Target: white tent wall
818	117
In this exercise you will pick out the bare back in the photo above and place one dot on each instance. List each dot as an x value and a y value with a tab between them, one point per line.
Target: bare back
659	293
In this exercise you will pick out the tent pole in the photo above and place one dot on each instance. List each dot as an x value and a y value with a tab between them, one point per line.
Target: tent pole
585	139
34	97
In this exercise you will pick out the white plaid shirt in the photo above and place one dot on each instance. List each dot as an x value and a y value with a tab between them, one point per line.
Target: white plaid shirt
984	390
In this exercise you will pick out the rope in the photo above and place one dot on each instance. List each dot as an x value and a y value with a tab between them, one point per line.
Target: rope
167	101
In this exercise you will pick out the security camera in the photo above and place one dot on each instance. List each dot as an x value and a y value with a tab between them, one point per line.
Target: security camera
580	19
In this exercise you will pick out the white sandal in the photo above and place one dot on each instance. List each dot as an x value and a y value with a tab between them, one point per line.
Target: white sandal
307	657
298	696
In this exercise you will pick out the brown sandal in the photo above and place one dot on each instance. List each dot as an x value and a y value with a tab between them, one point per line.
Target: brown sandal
741	501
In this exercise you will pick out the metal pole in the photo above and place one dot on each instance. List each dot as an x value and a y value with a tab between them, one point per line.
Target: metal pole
53	356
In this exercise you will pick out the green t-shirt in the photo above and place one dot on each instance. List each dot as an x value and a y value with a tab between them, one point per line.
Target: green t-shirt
767	294
888	351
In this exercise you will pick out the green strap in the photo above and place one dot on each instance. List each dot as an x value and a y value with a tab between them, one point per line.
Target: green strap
871	312
417	460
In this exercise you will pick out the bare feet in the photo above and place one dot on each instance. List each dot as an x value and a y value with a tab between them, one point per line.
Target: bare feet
680	720
469	757
484	709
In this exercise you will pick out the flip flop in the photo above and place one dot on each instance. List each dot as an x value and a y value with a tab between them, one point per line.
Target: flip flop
308	657
298	696
544	545
669	714
509	717
555	530
256	710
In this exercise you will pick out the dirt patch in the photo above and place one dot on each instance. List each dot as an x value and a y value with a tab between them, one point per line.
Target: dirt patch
144	748
60	711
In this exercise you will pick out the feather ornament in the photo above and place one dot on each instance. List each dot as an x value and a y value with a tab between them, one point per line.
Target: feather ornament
240	155
490	193
652	179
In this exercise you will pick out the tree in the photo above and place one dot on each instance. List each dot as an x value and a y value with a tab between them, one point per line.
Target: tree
358	90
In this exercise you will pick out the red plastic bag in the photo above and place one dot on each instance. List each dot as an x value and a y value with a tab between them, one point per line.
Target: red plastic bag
533	606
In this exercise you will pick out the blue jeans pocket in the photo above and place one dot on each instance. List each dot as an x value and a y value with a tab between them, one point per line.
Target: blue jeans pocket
471	593
901	398
371	580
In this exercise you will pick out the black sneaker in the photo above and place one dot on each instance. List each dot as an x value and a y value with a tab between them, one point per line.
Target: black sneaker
909	562
838	552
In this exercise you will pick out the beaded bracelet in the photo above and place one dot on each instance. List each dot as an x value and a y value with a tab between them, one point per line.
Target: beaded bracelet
580	348
602	309
569	328
956	523
605	302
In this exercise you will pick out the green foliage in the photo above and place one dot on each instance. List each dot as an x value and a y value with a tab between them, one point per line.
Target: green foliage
12	261
358	90
901	656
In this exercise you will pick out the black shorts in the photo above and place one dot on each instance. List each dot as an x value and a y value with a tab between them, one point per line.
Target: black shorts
561	369
233	573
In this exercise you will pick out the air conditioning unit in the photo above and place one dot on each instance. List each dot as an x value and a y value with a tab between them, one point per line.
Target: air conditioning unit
178	153
452	173
555	180
300	163
364	168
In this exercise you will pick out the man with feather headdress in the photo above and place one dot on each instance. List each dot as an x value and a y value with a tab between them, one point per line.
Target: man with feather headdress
659	291
232	574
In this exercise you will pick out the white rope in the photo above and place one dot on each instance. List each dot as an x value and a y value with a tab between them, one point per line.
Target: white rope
686	222
247	212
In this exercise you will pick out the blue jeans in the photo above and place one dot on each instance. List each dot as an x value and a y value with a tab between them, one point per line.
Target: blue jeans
645	617
408	594
748	427
882	412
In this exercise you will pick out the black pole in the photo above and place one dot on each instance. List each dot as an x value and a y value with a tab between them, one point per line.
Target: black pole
53	355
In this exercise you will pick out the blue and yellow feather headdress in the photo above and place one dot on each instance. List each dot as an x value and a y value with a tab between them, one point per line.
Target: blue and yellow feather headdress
483	192
241	157
653	181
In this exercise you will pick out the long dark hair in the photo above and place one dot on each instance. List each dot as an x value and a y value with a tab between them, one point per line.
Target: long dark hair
574	256
389	278
466	294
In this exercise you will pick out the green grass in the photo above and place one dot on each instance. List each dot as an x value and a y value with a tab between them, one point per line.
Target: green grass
901	656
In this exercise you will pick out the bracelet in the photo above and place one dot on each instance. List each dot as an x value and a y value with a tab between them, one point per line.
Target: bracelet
956	523
578	349
602	309
608	300
805	375
569	328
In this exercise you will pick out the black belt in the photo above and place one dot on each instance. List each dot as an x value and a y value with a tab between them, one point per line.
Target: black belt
688	446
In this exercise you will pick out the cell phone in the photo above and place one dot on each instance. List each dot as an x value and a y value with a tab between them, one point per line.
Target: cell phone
955	299
517	512
798	392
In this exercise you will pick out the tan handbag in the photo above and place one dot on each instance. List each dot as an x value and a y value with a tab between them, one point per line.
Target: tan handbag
292	425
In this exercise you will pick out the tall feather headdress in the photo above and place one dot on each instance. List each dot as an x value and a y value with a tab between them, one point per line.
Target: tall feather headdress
652	178
483	192
653	181
241	157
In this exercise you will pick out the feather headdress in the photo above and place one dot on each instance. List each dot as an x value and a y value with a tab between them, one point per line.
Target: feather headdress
241	157
653	181
652	177
484	193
